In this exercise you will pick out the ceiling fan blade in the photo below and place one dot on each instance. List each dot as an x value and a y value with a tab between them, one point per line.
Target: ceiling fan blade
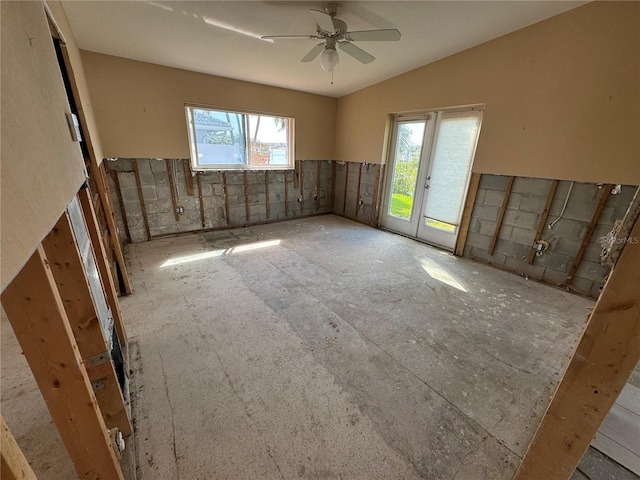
324	20
385	35
313	53
284	37
356	52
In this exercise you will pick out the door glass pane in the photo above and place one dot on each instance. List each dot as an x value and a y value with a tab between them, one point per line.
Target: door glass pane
455	144
407	154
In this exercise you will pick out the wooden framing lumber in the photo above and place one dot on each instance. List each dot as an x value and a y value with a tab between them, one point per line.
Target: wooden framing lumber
543	220
286	193
70	276
301	185
470	201
200	200
318	174
373	221
346	185
266	193
13	464
37	315
106	278
503	209
226	197
605	357
188	178
172	187
246	195
358	190
296	174
136	171
333	184
123	212
606	192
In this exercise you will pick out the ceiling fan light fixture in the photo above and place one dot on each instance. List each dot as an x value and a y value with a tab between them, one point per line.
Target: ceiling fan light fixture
329	60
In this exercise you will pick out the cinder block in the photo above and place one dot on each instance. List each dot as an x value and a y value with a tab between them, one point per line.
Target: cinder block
531	186
477	240
480	196
555	261
554	276
256	189
566	235
521	219
127	180
512	249
514	201
151	207
485	212
119	165
591	271
486	227
130	195
523	267
523	236
149	192
493	182
493	197
582	284
505	232
533	204
158	165
146	179
496	258
592	253
143	164
137	235
235	190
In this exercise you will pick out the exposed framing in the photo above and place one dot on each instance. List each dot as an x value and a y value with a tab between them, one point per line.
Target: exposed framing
503	209
13	464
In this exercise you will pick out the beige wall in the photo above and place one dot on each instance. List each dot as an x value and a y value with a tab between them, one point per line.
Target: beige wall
42	169
562	98
139	107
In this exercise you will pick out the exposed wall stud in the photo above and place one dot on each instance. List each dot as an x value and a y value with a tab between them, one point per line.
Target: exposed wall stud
333	184
38	318
13	464
188	178
172	187
136	171
266	193
301	182
226	197
543	220
123	212
246	195
606	192
318	174
286	193
604	359
346	184
474	183
503	209
200	200
358	190
296	175
373	221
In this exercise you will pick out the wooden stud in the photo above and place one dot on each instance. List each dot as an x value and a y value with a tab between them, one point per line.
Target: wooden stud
358	190
296	174
606	192
97	172
503	209
604	359
266	193
374	206
200	200
543	220
472	193
286	193
226	196
123	212
318	174
301	184
188	177
70	276
246	195
106	277
346	183
141	198
333	184
172	187
38	318
13	464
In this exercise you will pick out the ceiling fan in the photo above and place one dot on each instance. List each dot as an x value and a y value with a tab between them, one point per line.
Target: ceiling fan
333	32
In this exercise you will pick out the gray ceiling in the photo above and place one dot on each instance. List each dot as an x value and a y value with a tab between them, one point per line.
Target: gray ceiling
223	38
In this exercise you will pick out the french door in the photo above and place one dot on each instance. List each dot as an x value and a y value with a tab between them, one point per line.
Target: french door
429	170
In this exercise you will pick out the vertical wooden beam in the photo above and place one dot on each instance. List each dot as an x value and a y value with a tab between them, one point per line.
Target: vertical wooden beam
543	220
286	193
38	318
374	205
106	278
266	193
296	166
472	193
333	184
358	191
246	195
597	372
188	178
200	199
123	212
606	192
318	174
70	276
13	464
503	209
346	184
301	184
136	171
172	187
226	196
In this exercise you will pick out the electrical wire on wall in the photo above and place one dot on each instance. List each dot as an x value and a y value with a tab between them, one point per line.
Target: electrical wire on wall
564	207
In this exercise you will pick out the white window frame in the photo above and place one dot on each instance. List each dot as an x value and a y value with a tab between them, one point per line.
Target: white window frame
193	148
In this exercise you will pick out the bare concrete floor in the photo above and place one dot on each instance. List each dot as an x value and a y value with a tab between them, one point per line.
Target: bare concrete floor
324	349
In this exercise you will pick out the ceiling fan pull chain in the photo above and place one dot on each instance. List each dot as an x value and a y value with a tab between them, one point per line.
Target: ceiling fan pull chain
331	78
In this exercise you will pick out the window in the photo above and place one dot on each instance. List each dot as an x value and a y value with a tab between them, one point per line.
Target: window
225	140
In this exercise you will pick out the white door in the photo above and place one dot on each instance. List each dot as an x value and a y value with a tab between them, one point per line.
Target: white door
433	209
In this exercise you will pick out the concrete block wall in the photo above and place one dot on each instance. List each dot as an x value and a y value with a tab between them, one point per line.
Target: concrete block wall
364	174
302	184
517	233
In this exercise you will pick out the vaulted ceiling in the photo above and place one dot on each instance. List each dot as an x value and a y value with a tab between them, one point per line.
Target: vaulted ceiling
223	37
